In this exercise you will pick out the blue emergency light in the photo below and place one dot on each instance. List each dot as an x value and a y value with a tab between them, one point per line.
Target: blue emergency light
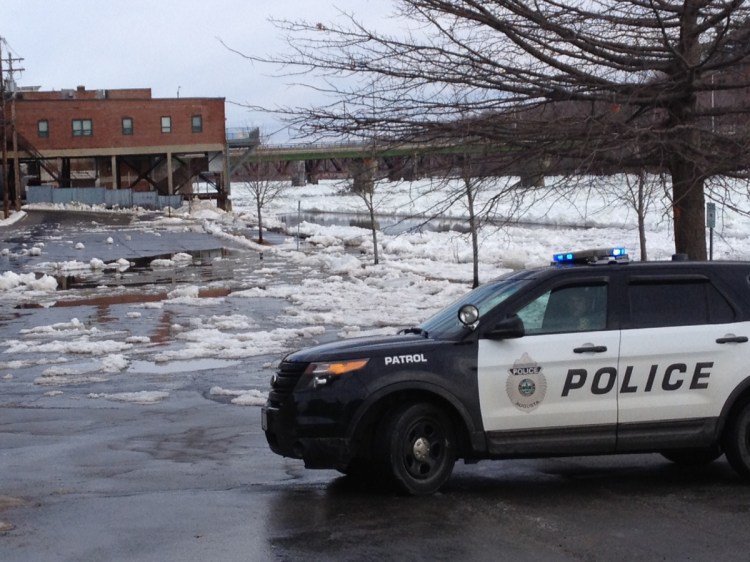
592	257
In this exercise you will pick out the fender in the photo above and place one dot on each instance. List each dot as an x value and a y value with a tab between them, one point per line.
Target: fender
417	381
729	404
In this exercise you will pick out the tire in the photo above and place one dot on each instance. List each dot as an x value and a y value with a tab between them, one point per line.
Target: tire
737	442
417	447
360	469
693	457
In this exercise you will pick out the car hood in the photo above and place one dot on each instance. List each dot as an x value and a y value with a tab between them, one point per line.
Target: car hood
356	348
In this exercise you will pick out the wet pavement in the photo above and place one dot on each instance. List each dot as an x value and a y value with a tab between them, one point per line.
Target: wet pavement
190	477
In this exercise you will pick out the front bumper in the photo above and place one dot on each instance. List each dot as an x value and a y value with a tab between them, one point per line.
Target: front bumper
317	452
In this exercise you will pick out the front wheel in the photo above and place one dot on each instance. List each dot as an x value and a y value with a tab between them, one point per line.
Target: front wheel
737	442
418	448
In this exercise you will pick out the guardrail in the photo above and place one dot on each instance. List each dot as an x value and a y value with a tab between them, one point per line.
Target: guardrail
124	198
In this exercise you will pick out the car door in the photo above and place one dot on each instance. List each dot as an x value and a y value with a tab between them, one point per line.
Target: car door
681	356
553	390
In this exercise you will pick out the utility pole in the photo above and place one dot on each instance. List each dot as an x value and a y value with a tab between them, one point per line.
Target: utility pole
4	97
16	159
6	203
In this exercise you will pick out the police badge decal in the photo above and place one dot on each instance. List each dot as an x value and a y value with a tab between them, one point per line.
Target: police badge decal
526	385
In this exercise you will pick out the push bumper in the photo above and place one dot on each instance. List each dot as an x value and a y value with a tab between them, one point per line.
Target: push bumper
284	439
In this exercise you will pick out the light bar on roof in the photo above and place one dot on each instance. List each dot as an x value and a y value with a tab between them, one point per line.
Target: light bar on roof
592	257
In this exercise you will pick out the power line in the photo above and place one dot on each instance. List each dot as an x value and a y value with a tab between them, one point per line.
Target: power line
8	46
10	70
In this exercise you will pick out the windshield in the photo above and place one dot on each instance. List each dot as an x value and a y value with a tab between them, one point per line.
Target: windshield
445	324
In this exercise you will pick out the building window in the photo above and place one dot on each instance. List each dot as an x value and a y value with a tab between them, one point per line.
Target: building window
166	124
197	123
42	129
127	125
82	128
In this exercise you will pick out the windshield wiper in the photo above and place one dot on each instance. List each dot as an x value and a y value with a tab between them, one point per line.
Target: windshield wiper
414	330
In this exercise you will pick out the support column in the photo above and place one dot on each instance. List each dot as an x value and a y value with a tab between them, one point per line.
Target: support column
226	180
170	175
298	173
115	173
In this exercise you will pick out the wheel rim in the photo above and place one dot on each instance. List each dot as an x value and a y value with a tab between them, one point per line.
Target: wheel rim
424	449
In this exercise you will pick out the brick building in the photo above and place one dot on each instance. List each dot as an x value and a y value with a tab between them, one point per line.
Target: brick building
116	139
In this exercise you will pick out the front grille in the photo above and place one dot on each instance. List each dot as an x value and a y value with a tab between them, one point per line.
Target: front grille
287	376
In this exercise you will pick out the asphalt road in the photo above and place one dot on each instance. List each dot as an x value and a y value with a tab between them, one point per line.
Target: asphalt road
191	478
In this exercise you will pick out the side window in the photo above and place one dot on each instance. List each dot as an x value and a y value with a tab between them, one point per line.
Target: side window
42	128
687	303
127	125
166	124
579	308
197	123
82	127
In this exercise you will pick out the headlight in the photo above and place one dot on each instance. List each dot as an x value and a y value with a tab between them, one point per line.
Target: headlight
323	373
336	368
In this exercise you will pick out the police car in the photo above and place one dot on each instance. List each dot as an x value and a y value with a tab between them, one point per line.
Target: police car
592	355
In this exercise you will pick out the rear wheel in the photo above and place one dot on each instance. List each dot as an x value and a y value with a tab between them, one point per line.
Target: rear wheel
737	442
417	446
692	457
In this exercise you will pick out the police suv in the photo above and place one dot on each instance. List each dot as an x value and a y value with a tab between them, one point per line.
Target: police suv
592	355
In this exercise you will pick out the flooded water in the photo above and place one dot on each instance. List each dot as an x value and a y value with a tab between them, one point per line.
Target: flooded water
128	328
207	265
398	224
170	367
388	224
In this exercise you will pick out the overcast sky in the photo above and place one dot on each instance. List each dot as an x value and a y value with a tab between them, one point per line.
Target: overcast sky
166	45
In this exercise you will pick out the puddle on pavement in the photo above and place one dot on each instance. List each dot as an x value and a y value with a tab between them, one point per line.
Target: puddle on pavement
151	367
130	298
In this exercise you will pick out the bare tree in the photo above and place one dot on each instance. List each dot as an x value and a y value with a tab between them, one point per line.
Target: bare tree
610	85
471	184
364	186
263	192
472	190
640	193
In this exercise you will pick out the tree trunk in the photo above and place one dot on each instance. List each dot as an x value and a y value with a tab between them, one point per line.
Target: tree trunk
260	222
473	229
642	213
689	208
373	226
688	201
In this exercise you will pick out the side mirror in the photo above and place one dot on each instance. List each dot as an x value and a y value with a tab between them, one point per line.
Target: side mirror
508	328
468	315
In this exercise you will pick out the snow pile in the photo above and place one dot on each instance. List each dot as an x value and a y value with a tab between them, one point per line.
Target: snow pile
27	281
178	260
114	363
13	218
73	266
66	376
241	397
211	342
64	329
141	397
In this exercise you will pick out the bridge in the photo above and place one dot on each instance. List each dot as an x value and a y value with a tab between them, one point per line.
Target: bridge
249	160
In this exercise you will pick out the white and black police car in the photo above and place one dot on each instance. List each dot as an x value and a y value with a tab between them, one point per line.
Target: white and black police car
591	355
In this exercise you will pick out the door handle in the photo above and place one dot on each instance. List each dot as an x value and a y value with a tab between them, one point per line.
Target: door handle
591	349
732	339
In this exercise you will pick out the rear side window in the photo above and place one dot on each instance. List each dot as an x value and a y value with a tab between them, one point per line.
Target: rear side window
682	303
